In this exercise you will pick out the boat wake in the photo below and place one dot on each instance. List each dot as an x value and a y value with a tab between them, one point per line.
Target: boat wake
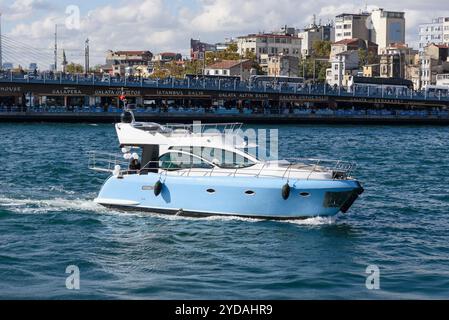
43	206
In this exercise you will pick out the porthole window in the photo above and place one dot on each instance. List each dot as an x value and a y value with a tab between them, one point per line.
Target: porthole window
250	193
304	194
211	191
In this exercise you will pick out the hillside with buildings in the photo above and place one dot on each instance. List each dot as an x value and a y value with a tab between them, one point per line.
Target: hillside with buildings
354	45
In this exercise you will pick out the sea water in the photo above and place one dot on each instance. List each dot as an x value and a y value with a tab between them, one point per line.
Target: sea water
400	225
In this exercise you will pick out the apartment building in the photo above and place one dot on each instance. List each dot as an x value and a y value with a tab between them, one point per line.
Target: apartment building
269	43
434	61
436	31
380	26
350	26
314	33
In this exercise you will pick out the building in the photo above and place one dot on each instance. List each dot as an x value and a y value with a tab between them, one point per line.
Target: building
198	49
413	71
8	66
343	65
119	62
269	44
230	68
32	67
350	26
165	57
140	71
434	61
314	33
388	27
223	46
397	61
353	45
283	66
129	58
436	31
391	66
443	80
371	70
380	26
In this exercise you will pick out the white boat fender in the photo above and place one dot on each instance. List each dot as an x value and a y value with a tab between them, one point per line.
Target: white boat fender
286	191
158	188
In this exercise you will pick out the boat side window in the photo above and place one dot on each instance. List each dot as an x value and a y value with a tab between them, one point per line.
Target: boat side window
173	161
219	157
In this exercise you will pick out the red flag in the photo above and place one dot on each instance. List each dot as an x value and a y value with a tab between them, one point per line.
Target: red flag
122	97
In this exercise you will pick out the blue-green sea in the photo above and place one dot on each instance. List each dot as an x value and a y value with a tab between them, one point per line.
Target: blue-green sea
401	224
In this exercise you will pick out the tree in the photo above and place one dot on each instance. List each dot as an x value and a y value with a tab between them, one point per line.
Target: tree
315	64
176	70
366	58
194	67
160	74
321	49
74	68
96	68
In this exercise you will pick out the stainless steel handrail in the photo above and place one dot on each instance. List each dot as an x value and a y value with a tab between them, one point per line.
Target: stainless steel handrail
106	162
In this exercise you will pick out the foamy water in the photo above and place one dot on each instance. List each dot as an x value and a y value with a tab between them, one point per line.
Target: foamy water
35	206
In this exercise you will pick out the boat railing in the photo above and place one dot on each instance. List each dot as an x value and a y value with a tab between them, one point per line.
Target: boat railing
187	129
203	128
285	169
106	162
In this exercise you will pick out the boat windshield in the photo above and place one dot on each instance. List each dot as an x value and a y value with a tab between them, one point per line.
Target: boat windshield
221	158
173	161
261	154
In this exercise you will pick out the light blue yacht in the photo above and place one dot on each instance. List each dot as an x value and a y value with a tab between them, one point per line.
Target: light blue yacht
194	171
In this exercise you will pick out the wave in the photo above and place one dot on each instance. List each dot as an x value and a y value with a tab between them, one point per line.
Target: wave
317	221
42	206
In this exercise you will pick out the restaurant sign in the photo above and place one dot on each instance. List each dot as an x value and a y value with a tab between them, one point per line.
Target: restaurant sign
67	92
10	90
117	92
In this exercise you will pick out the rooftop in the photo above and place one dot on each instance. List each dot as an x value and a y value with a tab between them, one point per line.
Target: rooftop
362	14
355	41
267	35
226	64
131	53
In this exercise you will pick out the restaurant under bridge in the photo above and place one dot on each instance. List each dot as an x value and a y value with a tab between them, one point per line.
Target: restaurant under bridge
79	98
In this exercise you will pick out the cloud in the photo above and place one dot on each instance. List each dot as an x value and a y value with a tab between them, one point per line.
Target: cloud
22	9
168	25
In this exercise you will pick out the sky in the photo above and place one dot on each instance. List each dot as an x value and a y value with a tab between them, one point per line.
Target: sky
168	25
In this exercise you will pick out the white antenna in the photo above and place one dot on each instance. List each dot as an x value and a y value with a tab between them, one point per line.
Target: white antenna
56	48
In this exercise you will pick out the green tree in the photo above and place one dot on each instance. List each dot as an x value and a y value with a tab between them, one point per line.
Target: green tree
176	70
95	68
194	67
314	64
366	58
74	68
321	49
